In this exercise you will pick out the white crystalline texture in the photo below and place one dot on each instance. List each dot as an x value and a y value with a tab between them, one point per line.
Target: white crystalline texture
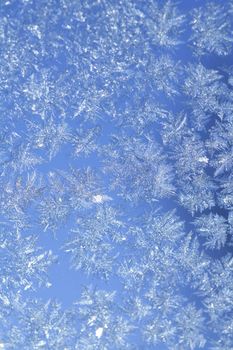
116	175
99	332
212	29
214	229
99	198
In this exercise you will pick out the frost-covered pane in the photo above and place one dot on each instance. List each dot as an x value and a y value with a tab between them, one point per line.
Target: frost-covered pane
116	183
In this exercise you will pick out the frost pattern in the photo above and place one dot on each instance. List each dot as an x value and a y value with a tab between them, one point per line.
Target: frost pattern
116	175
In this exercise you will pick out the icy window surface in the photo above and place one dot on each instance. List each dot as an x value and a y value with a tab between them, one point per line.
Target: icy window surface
116	175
